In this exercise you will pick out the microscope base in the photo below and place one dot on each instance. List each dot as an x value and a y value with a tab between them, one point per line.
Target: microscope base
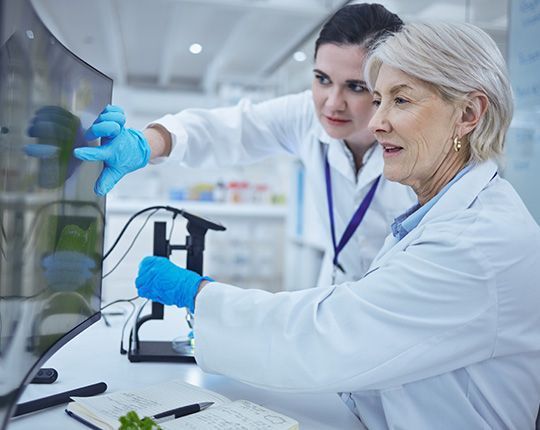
162	351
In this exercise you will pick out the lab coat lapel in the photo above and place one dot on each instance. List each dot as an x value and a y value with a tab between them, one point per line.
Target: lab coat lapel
460	196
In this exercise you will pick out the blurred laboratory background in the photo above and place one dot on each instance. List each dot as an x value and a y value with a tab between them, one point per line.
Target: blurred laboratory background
167	55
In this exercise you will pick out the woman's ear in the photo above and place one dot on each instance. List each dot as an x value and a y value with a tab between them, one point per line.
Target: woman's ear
473	110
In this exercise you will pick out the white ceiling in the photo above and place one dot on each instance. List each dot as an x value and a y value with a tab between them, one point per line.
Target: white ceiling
145	43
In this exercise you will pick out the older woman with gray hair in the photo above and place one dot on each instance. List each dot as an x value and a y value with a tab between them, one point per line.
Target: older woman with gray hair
443	332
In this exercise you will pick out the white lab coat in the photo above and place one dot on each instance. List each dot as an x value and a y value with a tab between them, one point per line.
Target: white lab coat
443	332
288	125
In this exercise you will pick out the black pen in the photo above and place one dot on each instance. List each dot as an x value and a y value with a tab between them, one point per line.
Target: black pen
180	412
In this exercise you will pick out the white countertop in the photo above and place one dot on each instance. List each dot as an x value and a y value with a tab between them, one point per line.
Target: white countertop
94	356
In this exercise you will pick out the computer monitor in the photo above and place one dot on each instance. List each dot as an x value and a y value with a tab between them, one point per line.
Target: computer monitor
51	222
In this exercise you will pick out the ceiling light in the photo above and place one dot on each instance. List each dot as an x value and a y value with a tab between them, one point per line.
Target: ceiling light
299	56
195	48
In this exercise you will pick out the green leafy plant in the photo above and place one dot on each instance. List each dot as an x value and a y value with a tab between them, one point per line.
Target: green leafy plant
131	421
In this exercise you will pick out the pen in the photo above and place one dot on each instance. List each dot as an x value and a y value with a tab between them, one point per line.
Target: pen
58	399
181	412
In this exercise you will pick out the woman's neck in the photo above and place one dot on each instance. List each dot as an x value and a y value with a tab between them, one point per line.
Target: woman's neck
444	174
358	151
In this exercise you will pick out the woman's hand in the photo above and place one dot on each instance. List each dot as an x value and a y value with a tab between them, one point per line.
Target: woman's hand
122	150
164	282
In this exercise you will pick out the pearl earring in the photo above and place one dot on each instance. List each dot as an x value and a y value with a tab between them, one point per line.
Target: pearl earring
457	144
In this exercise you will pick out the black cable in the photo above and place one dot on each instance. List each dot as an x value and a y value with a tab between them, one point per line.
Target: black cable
134	329
133	308
172	226
118	301
175	212
131	244
5	239
105	320
169	208
141	308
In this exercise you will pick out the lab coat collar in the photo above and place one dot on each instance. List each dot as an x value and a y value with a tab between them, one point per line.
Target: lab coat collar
340	159
461	195
458	197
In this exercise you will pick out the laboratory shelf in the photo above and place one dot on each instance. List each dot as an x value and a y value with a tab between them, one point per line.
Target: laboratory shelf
299	240
130	206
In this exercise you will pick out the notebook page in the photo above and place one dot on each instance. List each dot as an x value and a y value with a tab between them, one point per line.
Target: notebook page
148	401
238	415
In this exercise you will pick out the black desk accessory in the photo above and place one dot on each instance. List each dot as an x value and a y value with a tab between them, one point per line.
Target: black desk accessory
60	398
162	351
45	375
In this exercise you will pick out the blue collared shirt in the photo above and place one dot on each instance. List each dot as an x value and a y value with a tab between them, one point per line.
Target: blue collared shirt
406	222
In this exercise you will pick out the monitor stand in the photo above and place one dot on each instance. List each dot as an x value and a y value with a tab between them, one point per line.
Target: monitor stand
157	350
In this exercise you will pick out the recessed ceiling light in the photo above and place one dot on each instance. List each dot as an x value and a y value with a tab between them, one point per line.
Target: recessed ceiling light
195	48
299	56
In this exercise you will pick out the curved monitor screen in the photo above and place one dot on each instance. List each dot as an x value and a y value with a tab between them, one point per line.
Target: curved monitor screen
51	222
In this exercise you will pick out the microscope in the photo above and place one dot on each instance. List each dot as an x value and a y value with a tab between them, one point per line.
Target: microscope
165	351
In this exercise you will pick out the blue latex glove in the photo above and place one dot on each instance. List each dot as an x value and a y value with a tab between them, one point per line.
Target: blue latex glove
122	150
164	282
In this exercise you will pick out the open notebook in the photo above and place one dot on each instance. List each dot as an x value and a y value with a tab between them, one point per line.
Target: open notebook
103	412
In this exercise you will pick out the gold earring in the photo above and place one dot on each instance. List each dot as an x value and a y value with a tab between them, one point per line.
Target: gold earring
457	144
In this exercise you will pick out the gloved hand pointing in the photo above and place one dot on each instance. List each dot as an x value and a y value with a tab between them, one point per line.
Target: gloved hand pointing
164	282
122	150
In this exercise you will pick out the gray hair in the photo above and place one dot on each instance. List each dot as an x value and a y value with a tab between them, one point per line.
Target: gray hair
456	59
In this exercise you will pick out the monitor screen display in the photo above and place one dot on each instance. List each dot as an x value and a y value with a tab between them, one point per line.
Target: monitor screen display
51	222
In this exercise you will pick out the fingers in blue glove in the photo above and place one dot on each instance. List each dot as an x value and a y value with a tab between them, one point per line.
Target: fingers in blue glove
126	152
108	178
164	282
92	153
112	113
113	108
108	124
107	129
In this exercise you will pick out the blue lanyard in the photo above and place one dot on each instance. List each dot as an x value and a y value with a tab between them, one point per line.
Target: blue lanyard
355	220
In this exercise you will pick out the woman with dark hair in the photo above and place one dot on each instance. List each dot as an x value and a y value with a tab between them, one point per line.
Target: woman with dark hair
325	127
